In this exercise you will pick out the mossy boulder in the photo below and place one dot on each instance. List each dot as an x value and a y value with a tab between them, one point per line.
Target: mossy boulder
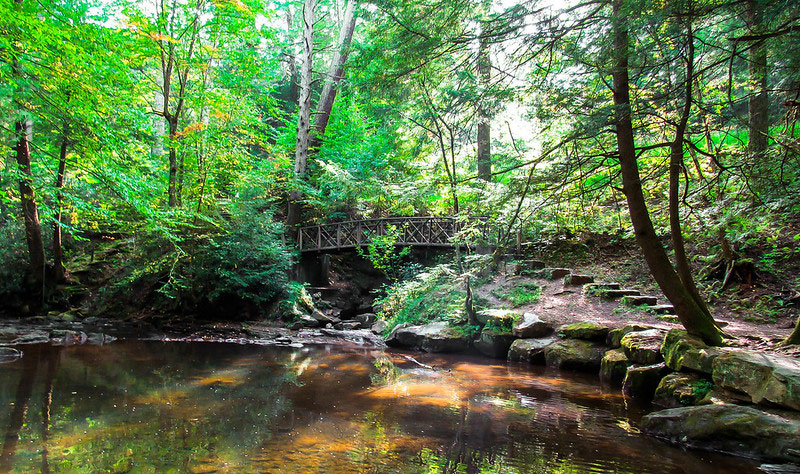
531	326
764	377
614	366
586	331
501	318
643	347
680	389
614	338
738	430
529	350
641	380
684	352
493	343
575	354
432	337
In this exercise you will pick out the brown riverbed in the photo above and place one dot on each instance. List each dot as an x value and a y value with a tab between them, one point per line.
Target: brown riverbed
148	406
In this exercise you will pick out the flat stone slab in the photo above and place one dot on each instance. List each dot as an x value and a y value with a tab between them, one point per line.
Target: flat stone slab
577	280
575	354
592	288
738	430
662	309
614	294
639	300
643	347
499	317
531	326
529	350
555	273
587	331
764	377
432	337
614	338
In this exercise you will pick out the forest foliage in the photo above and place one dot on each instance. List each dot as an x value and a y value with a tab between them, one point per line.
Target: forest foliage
172	127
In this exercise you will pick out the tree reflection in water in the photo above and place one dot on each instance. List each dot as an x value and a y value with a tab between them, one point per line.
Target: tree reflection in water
202	407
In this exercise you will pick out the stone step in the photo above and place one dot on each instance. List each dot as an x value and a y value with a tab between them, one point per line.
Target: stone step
554	273
614	294
577	280
639	300
594	288
662	309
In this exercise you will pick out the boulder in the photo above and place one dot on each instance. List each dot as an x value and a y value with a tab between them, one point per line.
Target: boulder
738	430
531	326
684	352
577	280
494	344
641	380
498	317
307	321
32	337
769	377
587	331
99	339
574	354
667	309
323	318
66	337
680	389
9	354
529	350
366	319
379	327
614	366
615	335
348	325
643	347
432	337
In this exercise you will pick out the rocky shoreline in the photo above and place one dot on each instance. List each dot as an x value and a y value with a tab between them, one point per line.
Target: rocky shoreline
732	400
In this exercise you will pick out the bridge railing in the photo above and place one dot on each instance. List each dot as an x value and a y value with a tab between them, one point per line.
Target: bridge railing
412	231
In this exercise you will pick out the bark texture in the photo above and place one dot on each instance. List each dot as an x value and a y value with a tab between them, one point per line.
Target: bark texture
303	121
693	318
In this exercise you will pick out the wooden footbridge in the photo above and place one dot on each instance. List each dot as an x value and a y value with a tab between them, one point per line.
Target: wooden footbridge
411	231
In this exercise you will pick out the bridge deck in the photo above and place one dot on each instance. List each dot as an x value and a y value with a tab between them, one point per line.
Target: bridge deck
412	231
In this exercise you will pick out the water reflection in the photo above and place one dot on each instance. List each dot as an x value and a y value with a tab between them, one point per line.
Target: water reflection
156	407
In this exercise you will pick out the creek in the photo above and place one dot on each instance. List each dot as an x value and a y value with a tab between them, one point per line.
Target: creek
147	406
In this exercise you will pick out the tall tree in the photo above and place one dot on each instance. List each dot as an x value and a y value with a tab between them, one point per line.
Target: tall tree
22	132
484	118
335	74
696	321
302	145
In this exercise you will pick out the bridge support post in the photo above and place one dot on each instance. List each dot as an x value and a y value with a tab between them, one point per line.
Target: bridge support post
314	269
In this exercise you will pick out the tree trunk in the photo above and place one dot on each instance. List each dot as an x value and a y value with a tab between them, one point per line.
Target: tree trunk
59	272
22	397
30	214
794	337
693	318
173	162
294	210
758	103
676	166
328	96
484	157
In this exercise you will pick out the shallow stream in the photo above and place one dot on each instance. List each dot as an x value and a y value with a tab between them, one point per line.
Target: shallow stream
135	406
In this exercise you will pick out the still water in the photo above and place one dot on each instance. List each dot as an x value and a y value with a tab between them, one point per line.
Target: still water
136	406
